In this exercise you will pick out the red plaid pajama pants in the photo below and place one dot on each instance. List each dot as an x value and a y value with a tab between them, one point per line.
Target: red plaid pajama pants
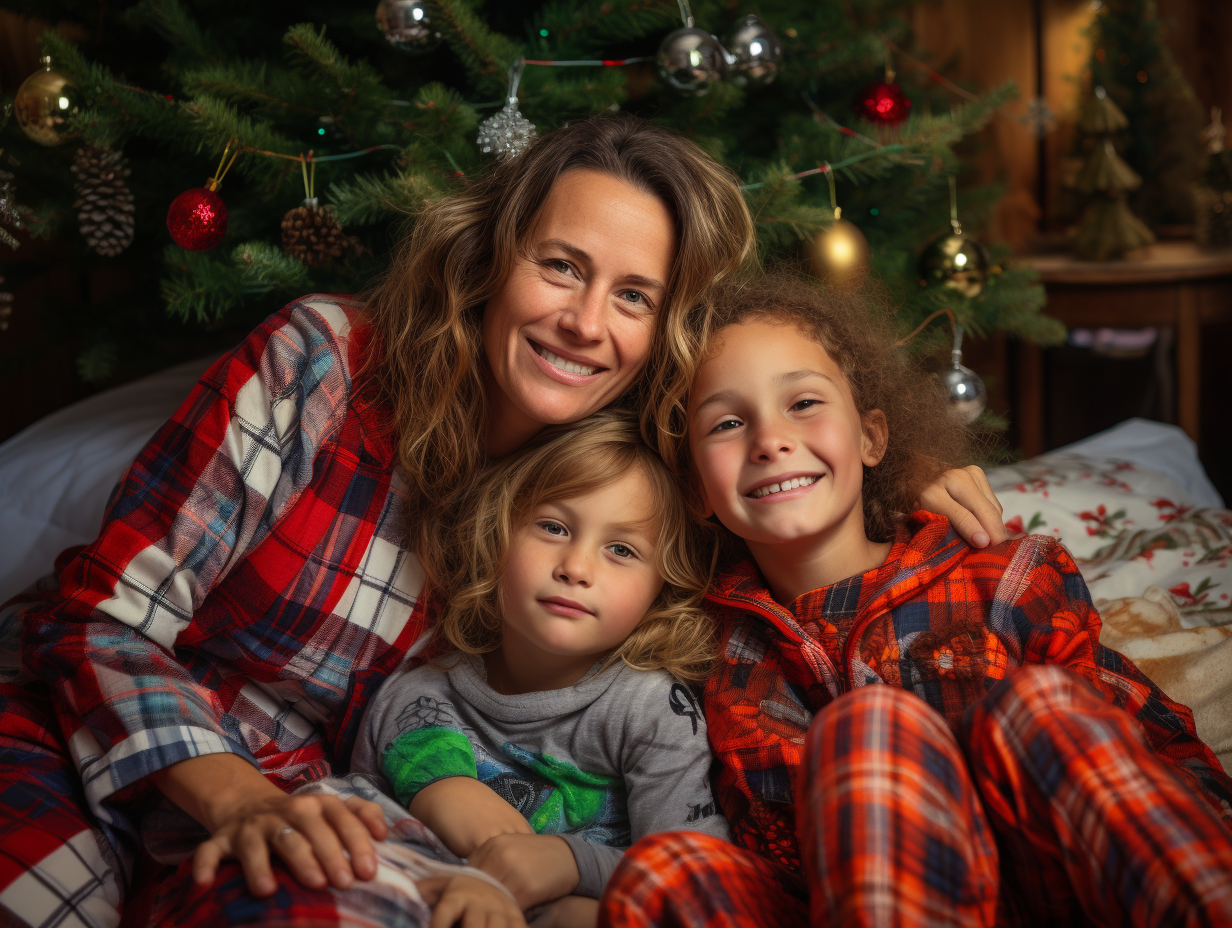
1046	808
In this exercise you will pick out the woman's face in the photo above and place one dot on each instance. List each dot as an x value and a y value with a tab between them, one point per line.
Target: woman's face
572	326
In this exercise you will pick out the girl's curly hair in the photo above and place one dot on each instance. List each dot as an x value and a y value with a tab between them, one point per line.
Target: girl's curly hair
565	462
857	332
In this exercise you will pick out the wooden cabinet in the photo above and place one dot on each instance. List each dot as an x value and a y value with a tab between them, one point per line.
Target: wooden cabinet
1175	285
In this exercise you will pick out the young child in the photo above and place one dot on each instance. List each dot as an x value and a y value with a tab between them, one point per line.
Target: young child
1007	770
556	730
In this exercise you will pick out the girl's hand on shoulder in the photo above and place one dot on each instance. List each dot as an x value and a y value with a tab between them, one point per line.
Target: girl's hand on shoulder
535	868
469	901
568	912
324	840
964	496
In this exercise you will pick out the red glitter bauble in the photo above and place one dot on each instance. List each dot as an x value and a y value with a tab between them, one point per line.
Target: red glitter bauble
882	103
197	219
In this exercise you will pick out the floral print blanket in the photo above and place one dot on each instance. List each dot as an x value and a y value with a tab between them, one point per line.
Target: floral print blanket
1159	570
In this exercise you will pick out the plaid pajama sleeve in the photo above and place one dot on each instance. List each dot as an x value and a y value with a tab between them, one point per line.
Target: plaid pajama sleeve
199	499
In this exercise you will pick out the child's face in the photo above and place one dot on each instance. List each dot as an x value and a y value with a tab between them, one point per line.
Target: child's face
776	438
581	573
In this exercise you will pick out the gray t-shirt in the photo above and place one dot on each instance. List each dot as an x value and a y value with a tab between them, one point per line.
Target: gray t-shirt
620	754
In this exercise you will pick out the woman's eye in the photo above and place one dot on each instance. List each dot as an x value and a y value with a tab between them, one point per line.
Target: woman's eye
560	266
634	296
553	528
622	551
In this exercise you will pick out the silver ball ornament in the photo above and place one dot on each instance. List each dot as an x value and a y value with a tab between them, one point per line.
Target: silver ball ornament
692	61
507	134
965	390
754	52
408	25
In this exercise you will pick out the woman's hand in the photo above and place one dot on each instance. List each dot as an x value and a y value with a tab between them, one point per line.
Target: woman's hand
964	497
568	912
314	835
535	868
247	817
465	813
469	901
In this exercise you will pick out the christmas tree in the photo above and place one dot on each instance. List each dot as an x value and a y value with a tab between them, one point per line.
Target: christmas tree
1108	229
1130	59
334	127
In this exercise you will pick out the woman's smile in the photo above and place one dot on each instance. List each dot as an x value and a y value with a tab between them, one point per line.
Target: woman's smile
571	328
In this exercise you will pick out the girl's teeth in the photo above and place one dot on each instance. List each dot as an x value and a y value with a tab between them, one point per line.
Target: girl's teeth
785	485
569	367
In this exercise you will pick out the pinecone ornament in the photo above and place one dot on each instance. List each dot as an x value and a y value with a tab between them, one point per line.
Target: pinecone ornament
312	233
6	307
104	203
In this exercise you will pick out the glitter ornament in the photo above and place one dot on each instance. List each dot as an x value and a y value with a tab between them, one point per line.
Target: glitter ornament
963	387
691	61
408	25
508	133
882	102
197	219
753	52
45	102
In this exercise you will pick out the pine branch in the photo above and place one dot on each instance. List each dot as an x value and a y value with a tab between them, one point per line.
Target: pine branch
200	287
367	199
170	20
264	268
484	53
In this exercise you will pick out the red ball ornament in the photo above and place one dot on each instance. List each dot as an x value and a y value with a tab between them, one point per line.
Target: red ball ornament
197	219
882	102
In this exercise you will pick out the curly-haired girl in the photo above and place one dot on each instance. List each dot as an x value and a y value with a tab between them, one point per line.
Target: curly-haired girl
572	617
1009	769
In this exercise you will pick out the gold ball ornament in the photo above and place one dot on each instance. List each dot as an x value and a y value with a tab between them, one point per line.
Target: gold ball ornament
839	254
45	102
956	261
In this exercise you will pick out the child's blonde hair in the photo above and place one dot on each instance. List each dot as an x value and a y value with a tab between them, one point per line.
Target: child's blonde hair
565	462
924	436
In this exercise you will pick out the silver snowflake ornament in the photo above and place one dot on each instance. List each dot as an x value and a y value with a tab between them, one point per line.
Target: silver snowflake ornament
1039	117
507	134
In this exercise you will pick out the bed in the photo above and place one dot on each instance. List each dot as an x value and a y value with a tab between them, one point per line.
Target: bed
1149	531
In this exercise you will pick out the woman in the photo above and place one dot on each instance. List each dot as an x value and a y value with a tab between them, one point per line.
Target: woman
252	583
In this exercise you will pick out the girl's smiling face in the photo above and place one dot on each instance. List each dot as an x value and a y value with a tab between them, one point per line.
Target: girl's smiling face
572	326
777	441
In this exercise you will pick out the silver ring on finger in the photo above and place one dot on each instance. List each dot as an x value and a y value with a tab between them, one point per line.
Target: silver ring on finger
286	831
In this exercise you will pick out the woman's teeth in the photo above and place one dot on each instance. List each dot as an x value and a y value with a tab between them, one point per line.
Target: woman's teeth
785	485
569	367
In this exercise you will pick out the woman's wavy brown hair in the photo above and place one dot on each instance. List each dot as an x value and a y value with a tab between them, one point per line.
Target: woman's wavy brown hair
857	331
427	312
565	462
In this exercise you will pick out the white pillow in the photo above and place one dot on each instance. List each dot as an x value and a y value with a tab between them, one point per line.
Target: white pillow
56	475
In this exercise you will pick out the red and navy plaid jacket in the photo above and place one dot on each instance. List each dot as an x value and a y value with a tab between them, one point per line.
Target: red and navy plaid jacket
938	618
250	586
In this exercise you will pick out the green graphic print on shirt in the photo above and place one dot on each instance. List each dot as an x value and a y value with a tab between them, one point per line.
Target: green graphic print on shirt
554	795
